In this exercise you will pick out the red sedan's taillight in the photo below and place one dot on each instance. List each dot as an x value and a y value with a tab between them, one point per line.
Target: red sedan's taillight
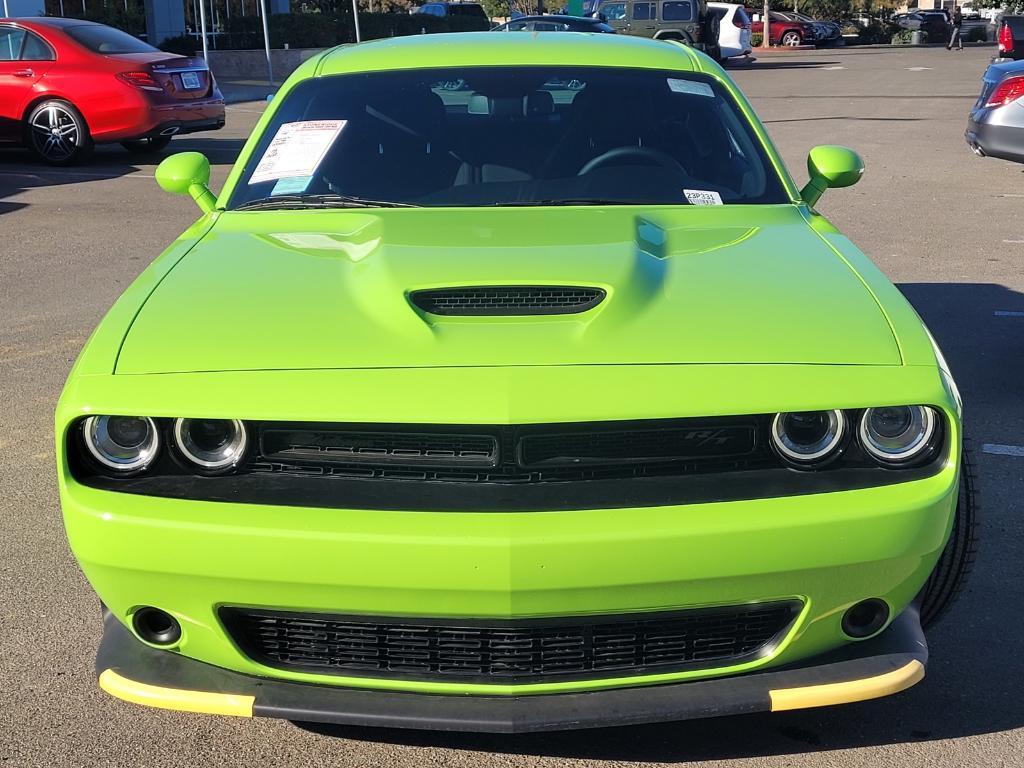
140	79
1011	89
1005	39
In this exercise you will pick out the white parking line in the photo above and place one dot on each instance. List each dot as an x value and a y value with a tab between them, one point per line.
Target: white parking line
1014	242
1003	450
83	174
1008	313
832	69
917	69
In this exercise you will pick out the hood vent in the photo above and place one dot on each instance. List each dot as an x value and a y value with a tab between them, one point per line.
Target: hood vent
500	300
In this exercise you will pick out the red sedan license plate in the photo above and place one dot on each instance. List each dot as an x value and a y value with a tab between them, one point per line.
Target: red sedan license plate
190	81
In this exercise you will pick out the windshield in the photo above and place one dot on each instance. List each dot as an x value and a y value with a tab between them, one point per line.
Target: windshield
107	40
488	136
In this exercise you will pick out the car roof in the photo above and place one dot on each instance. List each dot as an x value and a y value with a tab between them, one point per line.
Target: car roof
52	21
459	49
558	17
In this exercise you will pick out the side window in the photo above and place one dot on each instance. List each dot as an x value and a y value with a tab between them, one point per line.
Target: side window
36	50
614	11
643	11
11	39
677	10
433	9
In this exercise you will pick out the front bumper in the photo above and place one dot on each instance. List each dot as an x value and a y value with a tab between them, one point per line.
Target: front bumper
887	664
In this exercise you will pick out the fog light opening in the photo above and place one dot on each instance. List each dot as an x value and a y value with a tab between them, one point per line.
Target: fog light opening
865	618
156	627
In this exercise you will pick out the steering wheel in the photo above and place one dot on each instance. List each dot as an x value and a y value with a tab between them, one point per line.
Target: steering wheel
641	153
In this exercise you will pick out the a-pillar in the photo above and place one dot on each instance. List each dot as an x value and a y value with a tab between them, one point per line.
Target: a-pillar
164	19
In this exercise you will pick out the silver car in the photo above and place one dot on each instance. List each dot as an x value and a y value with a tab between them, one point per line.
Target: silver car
995	127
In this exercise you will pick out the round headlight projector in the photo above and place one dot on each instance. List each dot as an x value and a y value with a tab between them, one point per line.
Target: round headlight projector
808	437
897	434
211	444
122	443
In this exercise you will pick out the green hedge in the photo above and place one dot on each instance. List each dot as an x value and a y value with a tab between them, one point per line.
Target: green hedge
320	30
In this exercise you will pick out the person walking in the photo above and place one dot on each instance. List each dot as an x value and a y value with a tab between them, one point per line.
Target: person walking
954	33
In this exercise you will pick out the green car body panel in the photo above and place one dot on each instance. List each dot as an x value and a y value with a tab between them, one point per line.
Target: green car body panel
707	313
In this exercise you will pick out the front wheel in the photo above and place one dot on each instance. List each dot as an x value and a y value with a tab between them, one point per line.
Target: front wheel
57	133
950	574
791	39
146	145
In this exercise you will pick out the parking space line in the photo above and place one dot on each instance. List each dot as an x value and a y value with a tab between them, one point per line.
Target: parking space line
1003	450
83	174
1008	313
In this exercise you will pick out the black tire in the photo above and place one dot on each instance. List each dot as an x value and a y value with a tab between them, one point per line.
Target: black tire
147	145
950	574
57	133
794	39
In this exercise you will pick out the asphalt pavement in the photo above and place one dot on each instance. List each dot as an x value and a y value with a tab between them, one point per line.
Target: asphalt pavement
943	224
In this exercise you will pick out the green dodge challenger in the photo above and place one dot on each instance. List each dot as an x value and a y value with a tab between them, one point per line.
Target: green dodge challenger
511	384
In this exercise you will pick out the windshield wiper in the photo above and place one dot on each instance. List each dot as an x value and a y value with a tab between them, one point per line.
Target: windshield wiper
298	202
583	201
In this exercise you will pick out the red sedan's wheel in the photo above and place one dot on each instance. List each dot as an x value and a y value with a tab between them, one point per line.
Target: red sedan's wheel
149	144
792	39
57	133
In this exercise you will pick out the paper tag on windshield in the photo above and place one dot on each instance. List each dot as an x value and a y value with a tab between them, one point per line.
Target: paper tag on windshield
702	197
297	150
697	88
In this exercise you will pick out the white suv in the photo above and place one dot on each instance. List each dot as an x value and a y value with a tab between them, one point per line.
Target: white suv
733	29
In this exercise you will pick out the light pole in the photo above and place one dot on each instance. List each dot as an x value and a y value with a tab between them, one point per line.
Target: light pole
202	30
355	17
266	43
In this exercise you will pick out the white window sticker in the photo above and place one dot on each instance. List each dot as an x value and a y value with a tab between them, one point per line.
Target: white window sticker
297	150
695	87
702	197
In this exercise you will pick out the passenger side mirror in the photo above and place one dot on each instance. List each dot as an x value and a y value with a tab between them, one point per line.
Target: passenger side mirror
830	166
187	173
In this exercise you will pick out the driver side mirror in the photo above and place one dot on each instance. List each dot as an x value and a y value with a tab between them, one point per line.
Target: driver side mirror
830	166
187	173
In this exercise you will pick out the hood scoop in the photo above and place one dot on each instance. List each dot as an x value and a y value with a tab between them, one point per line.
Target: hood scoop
507	300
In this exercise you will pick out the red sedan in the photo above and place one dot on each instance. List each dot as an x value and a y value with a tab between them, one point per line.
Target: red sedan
67	84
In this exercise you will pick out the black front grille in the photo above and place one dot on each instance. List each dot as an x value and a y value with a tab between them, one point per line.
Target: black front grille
504	651
513	454
507	300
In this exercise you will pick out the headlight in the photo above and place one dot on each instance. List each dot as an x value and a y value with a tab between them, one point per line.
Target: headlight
211	444
122	443
898	434
809	437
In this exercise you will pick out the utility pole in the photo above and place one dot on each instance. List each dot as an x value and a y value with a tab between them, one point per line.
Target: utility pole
766	32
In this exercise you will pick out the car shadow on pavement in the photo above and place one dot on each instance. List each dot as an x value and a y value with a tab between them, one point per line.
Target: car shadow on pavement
973	681
21	170
762	64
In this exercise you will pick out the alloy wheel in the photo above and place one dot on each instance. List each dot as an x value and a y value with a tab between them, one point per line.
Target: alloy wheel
56	134
791	39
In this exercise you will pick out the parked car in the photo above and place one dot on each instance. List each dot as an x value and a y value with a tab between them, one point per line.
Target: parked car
733	29
394	480
1010	37
783	30
68	84
555	23
687	21
471	11
995	127
933	22
826	32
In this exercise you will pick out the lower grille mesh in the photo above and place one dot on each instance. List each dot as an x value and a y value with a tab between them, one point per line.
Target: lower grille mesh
504	651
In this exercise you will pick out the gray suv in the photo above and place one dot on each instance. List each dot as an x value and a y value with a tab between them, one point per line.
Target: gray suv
687	21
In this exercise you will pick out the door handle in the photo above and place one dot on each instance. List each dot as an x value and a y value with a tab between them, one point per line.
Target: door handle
24	73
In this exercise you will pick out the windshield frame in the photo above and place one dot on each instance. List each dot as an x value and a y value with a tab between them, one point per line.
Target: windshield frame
772	159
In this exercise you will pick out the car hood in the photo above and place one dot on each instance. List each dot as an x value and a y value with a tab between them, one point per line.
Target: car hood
330	289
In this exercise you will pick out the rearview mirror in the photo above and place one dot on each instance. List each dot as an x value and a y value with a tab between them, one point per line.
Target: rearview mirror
830	166
187	173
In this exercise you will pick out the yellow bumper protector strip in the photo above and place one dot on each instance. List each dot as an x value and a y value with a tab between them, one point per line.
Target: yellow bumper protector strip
844	693
176	698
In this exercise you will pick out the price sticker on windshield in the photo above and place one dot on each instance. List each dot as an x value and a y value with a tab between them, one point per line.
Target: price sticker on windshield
702	197
297	150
